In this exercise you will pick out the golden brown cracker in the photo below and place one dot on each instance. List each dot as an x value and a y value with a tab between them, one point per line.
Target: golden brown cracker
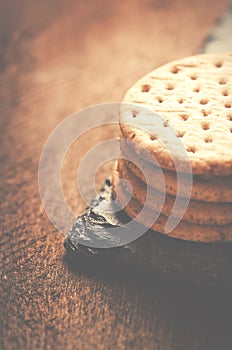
193	96
205	188
184	230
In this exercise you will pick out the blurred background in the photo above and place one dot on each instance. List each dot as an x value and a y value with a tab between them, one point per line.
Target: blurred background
57	57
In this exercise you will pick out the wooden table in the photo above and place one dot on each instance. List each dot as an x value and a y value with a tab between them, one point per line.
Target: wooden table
57	57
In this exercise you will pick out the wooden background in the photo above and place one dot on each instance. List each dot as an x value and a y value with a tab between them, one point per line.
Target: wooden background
57	57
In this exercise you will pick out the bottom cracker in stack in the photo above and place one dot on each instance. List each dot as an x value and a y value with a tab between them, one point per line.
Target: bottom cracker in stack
193	97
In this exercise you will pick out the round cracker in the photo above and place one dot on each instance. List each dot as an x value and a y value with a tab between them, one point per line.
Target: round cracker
210	189
184	230
193	96
198	212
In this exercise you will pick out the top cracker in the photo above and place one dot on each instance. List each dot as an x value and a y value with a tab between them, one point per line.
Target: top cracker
193	97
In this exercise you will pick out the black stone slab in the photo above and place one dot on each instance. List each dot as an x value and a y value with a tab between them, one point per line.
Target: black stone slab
152	253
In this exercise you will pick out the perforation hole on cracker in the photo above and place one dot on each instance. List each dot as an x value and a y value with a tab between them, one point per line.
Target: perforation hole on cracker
205	125
175	70
225	92
223	80
191	149
194	76
181	133
205	113
170	86
160	99
218	64
204	101
196	89
208	139
227	104
145	88
184	116
134	113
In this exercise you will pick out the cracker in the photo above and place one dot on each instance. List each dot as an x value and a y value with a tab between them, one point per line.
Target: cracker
210	189
199	212
184	230
194	97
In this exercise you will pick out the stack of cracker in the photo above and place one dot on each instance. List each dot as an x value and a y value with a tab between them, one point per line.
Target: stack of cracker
193	96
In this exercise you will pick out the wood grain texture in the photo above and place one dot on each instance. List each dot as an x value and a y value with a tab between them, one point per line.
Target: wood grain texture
57	57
